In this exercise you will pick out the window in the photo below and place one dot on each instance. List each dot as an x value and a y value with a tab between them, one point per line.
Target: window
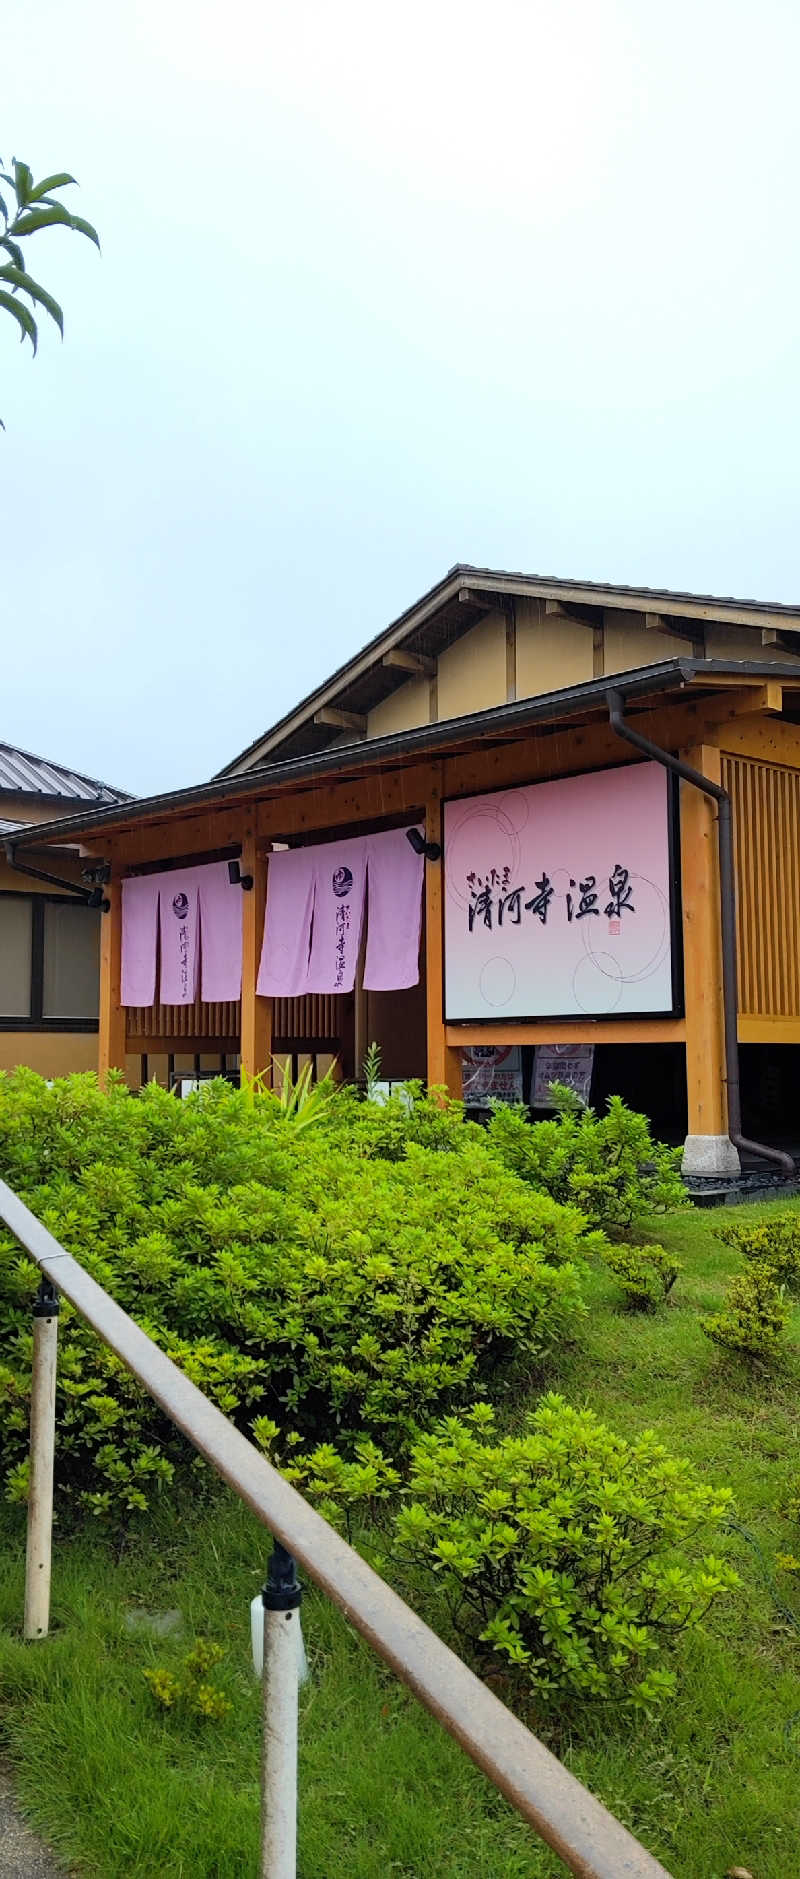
71	980
49	963
16	926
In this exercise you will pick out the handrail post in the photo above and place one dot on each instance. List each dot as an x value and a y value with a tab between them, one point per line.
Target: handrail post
281	1599
42	1456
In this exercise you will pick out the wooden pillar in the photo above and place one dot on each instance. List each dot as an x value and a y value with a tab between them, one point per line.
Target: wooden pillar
362	1039
708	1150
256	1022
113	1025
444	1063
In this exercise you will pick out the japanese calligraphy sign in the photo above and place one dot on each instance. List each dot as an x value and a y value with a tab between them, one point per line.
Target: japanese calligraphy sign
557	899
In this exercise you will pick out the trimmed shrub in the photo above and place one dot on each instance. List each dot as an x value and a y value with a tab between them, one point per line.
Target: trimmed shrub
608	1166
645	1273
754	1315
305	1286
556	1550
772	1243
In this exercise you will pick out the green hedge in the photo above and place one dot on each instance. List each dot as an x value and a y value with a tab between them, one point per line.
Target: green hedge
607	1165
302	1279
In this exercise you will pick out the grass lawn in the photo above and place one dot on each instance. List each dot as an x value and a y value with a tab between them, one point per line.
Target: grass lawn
121	1788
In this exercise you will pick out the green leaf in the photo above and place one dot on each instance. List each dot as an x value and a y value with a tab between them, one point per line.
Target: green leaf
24	284
41	218
13	249
22	315
58	181
23	181
84	228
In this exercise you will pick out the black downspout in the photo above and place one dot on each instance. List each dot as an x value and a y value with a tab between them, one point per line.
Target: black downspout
41	874
727	886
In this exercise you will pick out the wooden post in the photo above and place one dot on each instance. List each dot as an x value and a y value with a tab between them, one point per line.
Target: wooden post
113	1026
708	1150
361	1006
444	1063
36	1620
256	1023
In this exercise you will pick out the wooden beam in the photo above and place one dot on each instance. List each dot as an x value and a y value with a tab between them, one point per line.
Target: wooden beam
767	740
760	1030
511	655
194	834
598	651
570	1031
342	720
256	1019
478	597
111	1043
702	951
769	636
414	662
677	628
444	1063
167	1045
555	609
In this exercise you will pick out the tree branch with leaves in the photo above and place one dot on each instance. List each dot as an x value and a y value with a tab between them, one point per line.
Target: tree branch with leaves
35	206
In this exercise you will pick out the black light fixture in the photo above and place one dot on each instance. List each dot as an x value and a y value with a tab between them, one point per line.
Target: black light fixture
237	878
98	872
97	899
431	850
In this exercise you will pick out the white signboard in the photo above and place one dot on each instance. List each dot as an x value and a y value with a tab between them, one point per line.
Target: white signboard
561	1063
491	1073
558	899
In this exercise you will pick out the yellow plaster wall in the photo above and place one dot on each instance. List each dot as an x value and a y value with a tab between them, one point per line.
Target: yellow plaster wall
551	653
403	710
52	1053
472	672
627	643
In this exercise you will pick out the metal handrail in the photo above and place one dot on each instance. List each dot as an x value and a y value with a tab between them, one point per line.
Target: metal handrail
590	1841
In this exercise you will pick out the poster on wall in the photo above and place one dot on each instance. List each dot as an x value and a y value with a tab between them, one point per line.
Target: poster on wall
561	1063
491	1072
558	899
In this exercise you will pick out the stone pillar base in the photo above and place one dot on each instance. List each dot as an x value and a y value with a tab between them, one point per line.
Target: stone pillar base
710	1155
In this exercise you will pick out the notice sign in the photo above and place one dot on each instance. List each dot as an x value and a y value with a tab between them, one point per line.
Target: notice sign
491	1073
557	899
561	1063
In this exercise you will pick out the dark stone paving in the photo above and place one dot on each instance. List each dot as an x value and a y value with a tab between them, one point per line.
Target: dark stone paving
22	1856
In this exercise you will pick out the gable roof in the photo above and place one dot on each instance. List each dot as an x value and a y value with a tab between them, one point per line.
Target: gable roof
23	774
452	608
574	706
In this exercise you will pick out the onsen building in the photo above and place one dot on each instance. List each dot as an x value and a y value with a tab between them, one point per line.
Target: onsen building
535	822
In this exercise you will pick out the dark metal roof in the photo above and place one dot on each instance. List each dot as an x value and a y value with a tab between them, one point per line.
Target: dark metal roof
438	619
572	703
22	774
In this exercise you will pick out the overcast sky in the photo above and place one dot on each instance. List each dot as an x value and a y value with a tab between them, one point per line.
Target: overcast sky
382	289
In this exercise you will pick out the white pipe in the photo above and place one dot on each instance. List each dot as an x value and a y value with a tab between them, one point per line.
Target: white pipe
279	1763
40	1496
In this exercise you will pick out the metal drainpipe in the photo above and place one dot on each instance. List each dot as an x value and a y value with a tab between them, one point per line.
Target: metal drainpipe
727	884
41	874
